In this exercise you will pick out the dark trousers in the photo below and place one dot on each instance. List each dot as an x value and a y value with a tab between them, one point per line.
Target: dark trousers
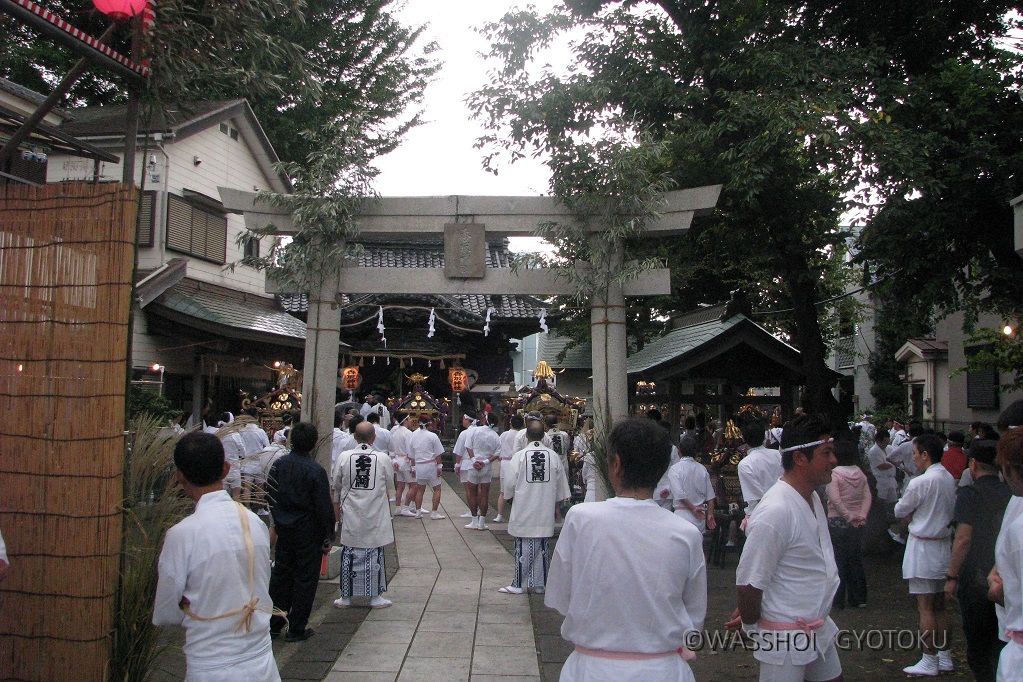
980	625
852	586
293	580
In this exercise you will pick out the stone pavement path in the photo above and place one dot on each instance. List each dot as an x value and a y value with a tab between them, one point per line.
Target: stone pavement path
448	621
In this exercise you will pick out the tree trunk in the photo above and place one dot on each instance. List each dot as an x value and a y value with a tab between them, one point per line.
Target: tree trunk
817	396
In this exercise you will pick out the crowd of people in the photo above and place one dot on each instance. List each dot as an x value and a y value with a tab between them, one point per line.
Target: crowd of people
808	490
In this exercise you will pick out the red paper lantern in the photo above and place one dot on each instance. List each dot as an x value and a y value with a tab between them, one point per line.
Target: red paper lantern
458	378
120	10
350	378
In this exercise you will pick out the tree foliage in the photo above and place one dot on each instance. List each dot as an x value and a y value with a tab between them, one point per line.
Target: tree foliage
802	110
304	66
736	95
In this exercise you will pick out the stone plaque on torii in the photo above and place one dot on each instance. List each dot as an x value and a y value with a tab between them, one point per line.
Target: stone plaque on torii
464	222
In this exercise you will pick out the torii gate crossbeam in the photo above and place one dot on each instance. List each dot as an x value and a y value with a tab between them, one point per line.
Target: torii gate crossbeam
465	222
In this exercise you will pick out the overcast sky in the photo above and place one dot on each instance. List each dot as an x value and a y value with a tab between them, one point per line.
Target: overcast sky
438	158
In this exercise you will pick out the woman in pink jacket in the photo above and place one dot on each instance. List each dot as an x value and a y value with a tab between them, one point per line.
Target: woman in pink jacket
848	505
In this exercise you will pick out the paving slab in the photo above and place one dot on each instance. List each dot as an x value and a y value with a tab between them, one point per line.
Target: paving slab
448	620
505	660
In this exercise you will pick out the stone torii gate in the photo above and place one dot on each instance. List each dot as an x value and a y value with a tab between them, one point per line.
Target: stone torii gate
465	222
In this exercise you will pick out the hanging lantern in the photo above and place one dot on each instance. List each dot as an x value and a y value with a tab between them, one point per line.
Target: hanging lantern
350	378
120	10
458	378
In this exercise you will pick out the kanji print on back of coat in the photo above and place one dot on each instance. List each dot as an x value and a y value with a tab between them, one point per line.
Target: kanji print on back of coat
539	467
364	472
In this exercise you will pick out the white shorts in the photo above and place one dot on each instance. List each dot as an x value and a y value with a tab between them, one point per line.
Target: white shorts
463	475
484	475
583	668
926	585
825	667
404	470
427	474
1010	661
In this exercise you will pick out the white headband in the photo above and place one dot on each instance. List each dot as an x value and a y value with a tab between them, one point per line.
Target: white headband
804	446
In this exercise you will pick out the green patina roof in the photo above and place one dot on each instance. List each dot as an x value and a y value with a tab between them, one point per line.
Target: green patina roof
681	341
244	317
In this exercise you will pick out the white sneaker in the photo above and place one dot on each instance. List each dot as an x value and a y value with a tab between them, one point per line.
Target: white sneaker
379	602
497	519
342	603
511	590
927	666
466	515
945	664
437	516
481	523
408	512
473	525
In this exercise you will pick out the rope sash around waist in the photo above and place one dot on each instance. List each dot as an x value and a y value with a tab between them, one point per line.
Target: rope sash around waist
682	652
930	537
1015	636
802	624
247	610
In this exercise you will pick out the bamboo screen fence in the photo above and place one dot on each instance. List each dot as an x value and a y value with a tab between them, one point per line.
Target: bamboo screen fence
66	257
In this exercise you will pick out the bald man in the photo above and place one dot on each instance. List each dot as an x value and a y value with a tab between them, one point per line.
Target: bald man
363	482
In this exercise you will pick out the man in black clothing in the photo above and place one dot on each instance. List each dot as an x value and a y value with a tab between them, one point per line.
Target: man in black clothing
303	515
978	513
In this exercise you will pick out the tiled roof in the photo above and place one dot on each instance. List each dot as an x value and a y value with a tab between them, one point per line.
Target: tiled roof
28	95
231	316
427	254
679	342
550	346
109	119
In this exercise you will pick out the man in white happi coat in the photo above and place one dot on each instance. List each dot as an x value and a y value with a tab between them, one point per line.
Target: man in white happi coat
363	481
213	574
787	577
515	425
382	440
883	470
404	480
425	450
340	440
373	404
462	462
929	501
482	450
234	451
760	469
535	482
1006	579
628	616
692	493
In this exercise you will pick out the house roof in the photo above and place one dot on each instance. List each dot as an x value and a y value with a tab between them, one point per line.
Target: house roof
411	254
678	342
228	313
30	96
182	120
551	346
925	349
721	347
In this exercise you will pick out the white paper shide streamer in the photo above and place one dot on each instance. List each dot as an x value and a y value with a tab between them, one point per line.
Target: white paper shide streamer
433	318
486	326
543	320
380	326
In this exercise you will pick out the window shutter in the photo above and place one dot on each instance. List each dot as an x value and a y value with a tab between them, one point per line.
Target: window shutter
982	389
216	237
179	224
146	219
